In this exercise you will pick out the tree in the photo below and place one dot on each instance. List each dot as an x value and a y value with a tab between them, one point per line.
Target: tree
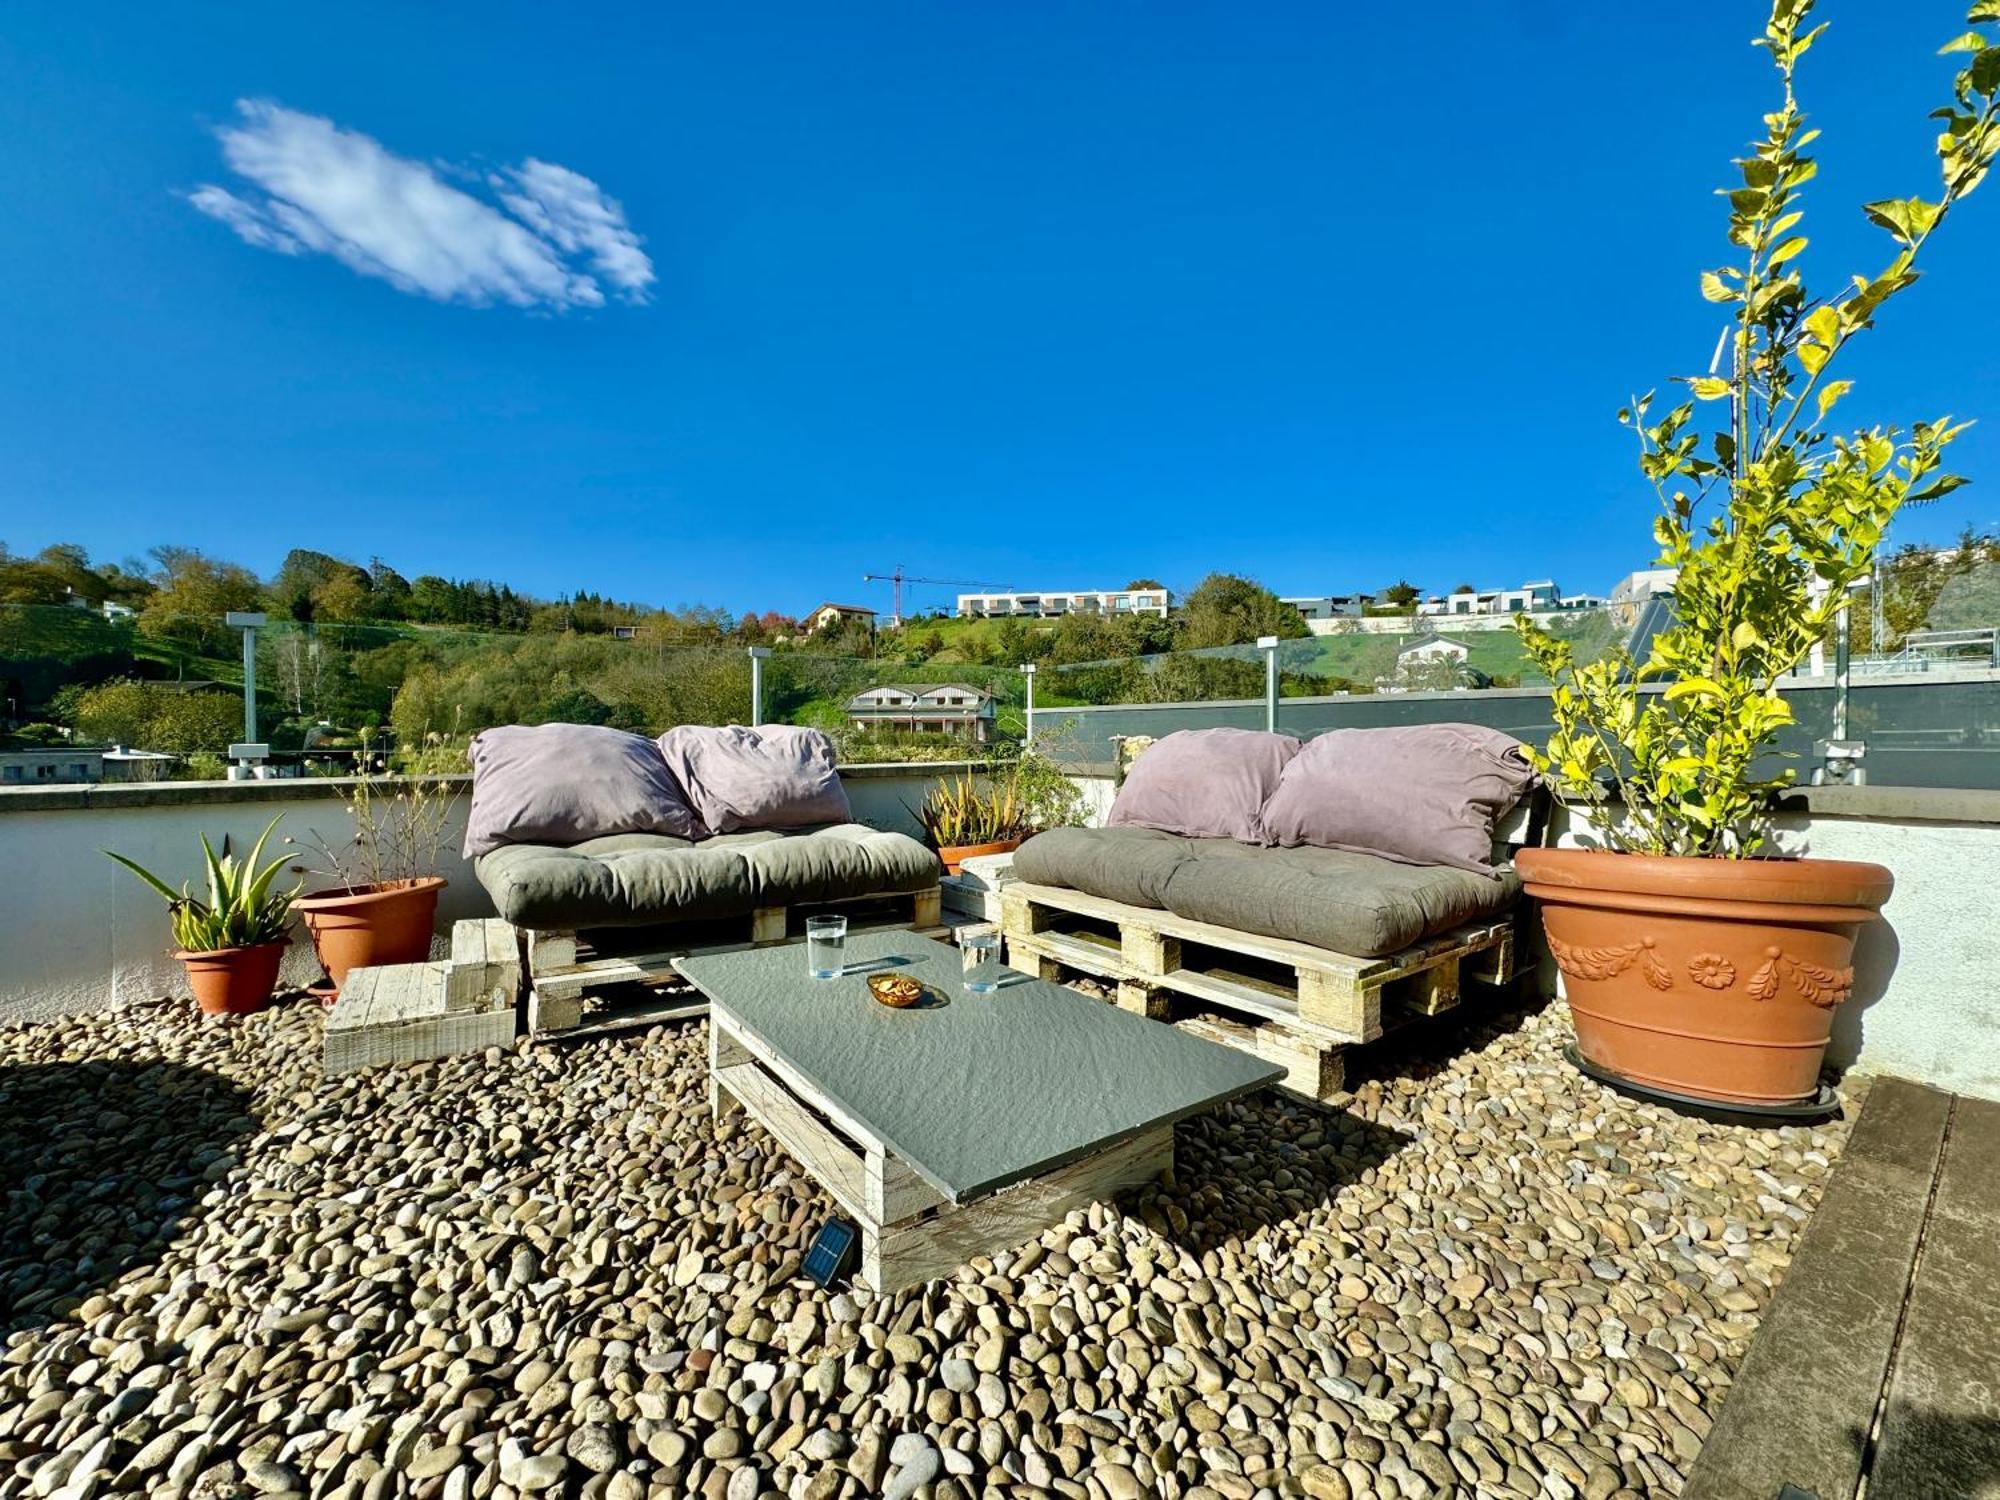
1144	583
153	716
1227	610
1402	594
194	592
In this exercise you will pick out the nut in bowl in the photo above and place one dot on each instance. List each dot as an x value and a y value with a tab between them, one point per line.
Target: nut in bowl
898	991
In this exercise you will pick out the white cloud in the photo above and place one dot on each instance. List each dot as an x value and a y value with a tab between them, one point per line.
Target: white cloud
321	189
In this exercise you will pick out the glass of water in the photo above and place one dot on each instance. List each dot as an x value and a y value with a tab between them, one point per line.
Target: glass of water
826	940
980	952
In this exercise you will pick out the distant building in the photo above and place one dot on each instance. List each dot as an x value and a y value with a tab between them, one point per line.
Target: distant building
1535	597
56	765
1051	603
930	707
833	616
1429	649
1637	588
1331	606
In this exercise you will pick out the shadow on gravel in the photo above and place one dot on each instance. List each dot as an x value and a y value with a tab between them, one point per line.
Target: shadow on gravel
100	1164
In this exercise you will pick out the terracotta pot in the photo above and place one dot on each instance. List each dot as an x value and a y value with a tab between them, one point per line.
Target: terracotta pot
955	855
367	926
234	981
1716	978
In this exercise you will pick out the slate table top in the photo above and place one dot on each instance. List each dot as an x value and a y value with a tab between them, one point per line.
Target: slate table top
976	1092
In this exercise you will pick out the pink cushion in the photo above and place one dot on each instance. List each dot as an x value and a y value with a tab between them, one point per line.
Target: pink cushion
564	783
1427	794
774	776
1204	783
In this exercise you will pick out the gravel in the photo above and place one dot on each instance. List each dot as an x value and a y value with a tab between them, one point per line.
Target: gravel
545	1270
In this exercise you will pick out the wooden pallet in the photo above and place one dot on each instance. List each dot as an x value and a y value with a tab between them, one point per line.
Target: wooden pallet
585	983
1289	1002
414	1012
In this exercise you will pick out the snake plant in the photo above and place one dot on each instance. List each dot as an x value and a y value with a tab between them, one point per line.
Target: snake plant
240	908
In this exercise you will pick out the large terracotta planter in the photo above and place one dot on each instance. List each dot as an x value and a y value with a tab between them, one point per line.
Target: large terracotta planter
1715	978
368	926
955	855
234	981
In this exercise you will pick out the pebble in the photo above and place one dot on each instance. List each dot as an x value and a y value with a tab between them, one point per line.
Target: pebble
557	1272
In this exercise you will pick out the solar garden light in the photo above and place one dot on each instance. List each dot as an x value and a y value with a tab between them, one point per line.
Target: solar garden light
250	752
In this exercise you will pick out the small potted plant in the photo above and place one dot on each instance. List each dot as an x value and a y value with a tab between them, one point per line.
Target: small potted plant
969	815
1697	961
231	942
381	905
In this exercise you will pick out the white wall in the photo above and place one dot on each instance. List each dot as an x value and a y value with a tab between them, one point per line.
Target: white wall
79	933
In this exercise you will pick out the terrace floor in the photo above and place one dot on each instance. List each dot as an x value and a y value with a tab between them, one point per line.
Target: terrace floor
547	1270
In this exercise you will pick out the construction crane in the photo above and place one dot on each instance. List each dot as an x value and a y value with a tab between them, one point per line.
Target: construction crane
899	578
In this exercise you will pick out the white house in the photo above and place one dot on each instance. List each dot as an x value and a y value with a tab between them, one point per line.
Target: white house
1425	650
1534	597
927	707
1050	603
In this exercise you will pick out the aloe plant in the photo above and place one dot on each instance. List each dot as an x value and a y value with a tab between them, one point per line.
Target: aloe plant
241	909
968	810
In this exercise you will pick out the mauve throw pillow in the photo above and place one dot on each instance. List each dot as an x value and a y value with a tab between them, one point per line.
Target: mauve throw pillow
564	783
1204	783
774	776
1428	794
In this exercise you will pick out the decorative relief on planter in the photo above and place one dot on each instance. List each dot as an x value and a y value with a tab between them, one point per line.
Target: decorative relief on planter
1608	963
1711	971
1816	984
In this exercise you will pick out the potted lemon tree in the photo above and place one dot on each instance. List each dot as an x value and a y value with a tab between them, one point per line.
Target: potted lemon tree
233	936
1696	960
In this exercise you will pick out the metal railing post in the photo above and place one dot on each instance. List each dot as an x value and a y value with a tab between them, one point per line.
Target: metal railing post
1268	644
757	656
250	748
1028	671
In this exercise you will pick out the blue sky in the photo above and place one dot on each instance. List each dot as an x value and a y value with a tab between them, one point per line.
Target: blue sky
732	304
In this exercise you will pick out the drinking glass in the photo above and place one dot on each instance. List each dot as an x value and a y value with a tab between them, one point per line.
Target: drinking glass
980	952
826	939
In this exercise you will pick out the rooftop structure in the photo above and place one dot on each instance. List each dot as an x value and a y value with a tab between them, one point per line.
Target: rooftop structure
928	707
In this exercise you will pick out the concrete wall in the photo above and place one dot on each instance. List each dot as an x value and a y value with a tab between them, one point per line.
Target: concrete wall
79	933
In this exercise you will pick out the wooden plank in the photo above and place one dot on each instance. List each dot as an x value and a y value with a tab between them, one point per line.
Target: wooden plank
1143	999
679	1006
927	907
767	924
550	952
1941	1424
1148	951
1346	1004
902	1255
1313	1070
1274	950
553	1013
724	1051
1804	1402
830	1161
894	1191
1432	991
415	1040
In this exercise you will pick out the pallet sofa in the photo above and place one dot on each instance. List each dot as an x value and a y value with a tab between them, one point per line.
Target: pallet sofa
617	910
610	855
1294	952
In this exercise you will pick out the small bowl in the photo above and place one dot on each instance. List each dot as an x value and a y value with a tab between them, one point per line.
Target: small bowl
898	991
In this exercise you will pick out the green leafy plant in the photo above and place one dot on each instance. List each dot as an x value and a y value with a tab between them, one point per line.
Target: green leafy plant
242	906
972	809
401	823
1769	515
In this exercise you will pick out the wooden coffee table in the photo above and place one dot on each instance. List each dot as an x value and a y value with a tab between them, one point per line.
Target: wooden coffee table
961	1128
